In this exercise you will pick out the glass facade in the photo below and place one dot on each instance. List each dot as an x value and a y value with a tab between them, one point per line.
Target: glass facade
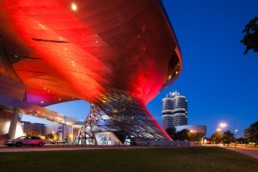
174	110
107	138
119	119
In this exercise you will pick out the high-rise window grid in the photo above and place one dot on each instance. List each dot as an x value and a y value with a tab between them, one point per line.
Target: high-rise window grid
174	110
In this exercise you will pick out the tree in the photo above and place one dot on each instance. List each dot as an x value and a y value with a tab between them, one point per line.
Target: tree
171	132
250	39
182	135
49	136
52	137
195	136
251	133
242	140
217	137
228	137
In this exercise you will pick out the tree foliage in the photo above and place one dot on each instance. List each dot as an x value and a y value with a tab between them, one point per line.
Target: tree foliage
171	132
250	39
228	137
182	135
49	136
195	136
217	137
242	140
251	133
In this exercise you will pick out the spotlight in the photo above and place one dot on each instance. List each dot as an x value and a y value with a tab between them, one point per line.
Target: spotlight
73	6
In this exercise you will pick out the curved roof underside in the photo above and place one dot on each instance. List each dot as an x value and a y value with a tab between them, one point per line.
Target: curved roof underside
64	55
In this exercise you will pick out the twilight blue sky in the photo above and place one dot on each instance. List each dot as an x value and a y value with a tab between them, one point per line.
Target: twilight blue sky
219	81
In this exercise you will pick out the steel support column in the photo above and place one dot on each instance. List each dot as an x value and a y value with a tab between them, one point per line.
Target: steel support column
13	124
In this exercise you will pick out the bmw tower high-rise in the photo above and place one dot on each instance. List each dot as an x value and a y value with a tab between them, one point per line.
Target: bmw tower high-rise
174	110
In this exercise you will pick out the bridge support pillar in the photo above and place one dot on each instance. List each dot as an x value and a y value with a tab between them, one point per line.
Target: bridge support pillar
13	124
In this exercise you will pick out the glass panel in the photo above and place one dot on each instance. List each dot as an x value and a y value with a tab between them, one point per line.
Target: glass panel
106	138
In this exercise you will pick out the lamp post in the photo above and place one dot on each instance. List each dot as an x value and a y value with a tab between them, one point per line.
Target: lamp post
235	131
222	126
235	136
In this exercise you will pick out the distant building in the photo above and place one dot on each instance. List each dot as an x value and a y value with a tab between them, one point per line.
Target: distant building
33	129
174	110
63	132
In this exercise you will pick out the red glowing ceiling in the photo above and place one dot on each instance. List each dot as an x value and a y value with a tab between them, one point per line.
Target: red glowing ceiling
64	54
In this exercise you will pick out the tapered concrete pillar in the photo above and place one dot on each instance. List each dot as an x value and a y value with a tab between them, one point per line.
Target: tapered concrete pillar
13	124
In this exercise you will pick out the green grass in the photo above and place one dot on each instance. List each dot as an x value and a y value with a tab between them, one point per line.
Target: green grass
205	159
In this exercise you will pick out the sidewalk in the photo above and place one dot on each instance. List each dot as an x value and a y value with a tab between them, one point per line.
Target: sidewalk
252	152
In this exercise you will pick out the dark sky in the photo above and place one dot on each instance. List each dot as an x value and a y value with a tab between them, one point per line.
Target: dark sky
219	81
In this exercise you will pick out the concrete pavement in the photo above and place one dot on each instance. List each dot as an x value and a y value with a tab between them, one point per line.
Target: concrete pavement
63	147
249	152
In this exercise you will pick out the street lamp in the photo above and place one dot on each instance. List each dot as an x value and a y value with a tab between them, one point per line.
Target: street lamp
223	125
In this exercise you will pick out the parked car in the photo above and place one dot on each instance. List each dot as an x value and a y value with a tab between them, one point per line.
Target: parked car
25	140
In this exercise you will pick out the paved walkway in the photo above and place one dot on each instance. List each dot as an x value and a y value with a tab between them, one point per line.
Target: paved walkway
62	147
249	152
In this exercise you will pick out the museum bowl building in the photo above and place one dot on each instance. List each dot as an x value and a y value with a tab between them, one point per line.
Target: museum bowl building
117	55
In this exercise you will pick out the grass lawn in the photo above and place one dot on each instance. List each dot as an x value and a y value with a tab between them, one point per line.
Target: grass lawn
206	159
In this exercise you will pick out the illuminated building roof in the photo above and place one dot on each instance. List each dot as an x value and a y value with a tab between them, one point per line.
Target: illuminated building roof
65	50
